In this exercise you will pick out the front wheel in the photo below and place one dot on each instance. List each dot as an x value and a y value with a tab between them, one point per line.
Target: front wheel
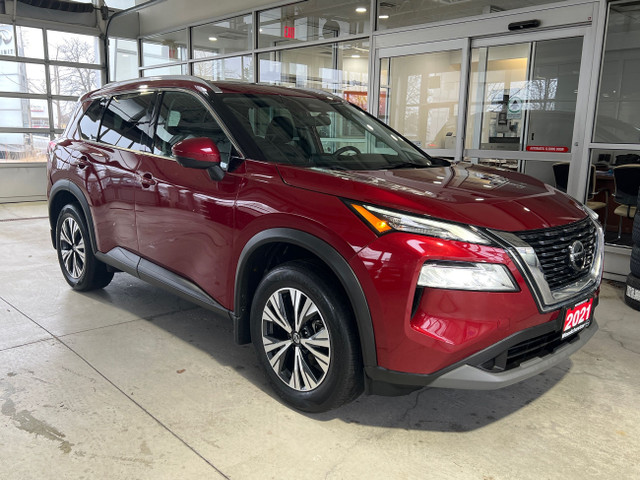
305	338
79	266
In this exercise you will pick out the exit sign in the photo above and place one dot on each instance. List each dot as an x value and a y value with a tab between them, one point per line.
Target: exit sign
290	32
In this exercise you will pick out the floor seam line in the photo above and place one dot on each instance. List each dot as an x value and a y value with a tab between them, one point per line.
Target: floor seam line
149	414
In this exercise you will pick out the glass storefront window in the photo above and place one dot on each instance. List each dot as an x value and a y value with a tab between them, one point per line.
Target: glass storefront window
341	68
312	20
422	96
231	68
62	111
123	59
29	43
23	147
166	48
395	14
170	70
73	47
618	117
221	38
24	113
20	77
73	81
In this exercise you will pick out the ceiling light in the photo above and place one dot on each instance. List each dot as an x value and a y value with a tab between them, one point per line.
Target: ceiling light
213	39
355	55
383	17
361	10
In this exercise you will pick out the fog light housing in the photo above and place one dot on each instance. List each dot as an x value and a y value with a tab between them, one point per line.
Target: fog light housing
481	277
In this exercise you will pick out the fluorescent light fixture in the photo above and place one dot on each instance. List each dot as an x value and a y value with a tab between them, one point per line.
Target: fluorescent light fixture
213	39
361	10
383	17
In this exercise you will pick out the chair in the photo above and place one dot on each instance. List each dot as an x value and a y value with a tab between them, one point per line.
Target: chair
627	182
561	174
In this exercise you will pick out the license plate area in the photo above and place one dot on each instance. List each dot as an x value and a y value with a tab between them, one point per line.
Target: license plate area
577	318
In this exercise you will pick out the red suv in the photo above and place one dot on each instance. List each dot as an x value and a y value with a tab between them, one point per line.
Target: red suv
351	259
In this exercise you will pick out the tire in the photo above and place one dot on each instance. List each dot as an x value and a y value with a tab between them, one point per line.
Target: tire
635	260
636	228
81	269
632	292
312	377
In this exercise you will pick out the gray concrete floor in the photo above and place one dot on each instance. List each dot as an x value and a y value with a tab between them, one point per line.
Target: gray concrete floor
133	383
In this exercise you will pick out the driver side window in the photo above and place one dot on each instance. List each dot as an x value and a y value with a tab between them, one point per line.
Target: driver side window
183	116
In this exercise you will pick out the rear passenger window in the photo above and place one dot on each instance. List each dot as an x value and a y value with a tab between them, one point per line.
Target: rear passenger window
183	116
90	121
126	121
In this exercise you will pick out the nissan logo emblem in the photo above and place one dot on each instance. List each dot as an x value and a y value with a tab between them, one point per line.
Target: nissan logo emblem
578	256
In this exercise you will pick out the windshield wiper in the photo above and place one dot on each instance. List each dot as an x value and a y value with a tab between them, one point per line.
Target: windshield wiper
406	165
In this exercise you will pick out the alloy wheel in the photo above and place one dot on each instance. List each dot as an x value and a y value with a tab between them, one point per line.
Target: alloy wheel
72	248
296	339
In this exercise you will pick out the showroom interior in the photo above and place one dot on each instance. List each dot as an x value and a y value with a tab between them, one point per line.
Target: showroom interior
131	382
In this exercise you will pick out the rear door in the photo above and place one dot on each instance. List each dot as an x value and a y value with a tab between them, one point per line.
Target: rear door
123	135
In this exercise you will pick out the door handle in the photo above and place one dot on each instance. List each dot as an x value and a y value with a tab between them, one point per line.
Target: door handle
82	163
147	180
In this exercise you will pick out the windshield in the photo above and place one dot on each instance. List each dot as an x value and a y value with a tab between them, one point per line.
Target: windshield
311	132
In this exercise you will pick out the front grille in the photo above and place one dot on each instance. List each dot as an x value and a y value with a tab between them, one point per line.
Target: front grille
526	350
552	248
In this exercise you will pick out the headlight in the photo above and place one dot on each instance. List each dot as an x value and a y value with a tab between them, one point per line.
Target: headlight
487	277
383	220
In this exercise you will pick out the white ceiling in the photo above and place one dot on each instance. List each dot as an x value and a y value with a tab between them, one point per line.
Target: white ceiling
177	13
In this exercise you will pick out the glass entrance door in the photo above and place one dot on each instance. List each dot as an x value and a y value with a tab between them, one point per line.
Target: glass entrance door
523	98
512	102
420	94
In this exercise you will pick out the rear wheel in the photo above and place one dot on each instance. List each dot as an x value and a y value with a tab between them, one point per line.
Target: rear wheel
79	265
304	336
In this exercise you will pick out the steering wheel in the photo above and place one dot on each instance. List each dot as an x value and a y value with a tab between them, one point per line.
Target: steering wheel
341	150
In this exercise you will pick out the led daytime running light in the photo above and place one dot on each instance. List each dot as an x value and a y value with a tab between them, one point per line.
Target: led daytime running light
383	220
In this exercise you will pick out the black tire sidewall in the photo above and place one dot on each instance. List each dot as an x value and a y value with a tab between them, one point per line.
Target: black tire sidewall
633	281
343	379
635	260
84	282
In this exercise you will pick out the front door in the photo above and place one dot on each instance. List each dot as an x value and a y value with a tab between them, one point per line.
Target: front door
184	218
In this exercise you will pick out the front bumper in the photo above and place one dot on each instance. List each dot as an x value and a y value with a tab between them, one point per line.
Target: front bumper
473	373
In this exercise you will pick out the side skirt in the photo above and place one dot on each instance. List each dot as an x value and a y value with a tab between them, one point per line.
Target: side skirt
160	277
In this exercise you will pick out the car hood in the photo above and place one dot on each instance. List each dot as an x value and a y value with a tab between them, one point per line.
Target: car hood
464	193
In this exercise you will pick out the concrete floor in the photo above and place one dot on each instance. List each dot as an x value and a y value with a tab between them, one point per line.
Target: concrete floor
133	383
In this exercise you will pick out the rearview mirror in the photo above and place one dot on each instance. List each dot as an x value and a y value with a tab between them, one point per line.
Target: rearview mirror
200	153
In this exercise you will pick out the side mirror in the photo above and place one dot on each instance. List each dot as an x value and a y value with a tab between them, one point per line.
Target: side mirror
201	153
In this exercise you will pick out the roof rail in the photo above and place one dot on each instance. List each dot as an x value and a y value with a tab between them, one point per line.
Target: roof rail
191	78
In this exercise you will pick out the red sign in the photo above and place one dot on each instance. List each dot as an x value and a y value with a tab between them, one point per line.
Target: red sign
577	318
535	148
290	32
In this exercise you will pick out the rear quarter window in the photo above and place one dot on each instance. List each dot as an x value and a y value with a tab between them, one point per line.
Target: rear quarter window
90	121
126	122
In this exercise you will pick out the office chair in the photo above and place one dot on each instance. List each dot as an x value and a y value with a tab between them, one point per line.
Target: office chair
561	174
627	182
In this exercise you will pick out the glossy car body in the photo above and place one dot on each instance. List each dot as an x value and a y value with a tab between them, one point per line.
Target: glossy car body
213	240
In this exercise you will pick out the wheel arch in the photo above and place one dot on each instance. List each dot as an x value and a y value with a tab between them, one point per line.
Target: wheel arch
62	193
254	260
